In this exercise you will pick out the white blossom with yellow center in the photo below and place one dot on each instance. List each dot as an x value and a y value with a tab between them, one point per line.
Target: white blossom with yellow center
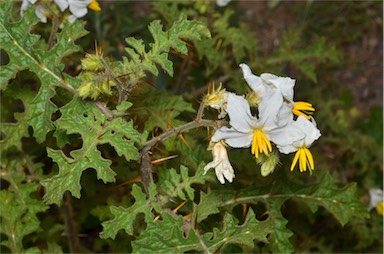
303	156
78	8
249	131
279	90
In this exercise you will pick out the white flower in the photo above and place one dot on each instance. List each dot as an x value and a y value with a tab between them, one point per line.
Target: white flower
78	8
249	131
223	167
63	4
280	90
222	3
272	88
376	196
309	132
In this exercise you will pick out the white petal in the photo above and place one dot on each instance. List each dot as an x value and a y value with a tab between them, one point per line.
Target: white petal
310	130
269	108
239	113
25	4
254	82
78	7
376	196
219	176
225	169
40	12
210	165
233	137
71	18
287	138
283	84
63	4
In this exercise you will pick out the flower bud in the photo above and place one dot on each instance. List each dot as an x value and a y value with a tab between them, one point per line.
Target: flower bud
268	163
85	89
92	63
253	99
217	99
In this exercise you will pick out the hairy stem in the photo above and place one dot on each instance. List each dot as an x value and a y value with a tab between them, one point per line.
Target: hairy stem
52	35
73	239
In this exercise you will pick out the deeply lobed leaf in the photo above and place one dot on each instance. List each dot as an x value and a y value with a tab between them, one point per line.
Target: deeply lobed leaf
88	121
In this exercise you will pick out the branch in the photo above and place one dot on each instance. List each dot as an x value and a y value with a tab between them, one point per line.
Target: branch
73	239
145	159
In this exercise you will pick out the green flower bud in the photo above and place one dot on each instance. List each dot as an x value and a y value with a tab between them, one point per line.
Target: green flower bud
92	63
85	89
268	162
253	99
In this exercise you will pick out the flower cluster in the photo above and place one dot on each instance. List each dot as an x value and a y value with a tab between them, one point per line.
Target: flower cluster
95	79
281	124
45	8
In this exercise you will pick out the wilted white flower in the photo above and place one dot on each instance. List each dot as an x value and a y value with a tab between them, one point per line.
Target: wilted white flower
220	163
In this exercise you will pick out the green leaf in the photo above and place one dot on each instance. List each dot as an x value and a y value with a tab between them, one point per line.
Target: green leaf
208	205
141	61
18	208
161	107
14	132
21	47
87	120
167	235
341	202
179	185
244	234
304	57
279	240
124	217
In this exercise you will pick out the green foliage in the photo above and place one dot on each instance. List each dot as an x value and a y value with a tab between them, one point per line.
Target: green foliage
18	207
179	185
124	217
87	120
341	202
304	58
170	238
140	60
19	44
155	138
162	110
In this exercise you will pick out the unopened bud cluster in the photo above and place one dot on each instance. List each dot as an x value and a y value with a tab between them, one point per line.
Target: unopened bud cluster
95	80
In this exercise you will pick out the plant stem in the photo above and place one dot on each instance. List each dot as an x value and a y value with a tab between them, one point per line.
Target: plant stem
52	35
73	240
146	165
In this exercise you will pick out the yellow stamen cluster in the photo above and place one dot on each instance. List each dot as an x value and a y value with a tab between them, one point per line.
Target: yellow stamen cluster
380	207
302	108
94	5
304	156
260	143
